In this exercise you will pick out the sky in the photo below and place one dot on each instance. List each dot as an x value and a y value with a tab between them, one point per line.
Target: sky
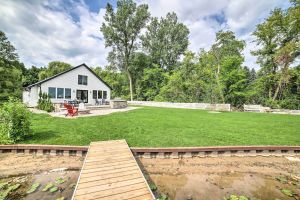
69	30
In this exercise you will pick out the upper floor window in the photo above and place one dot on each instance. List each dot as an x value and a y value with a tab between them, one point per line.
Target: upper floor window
82	80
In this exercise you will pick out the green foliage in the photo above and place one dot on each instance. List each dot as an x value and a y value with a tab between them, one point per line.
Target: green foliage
7	189
121	31
14	122
163	197
31	75
147	89
165	40
33	188
53	68
44	102
53	189
10	70
287	192
60	180
152	186
48	186
235	197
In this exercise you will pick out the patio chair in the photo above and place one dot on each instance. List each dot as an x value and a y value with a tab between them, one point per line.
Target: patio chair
71	111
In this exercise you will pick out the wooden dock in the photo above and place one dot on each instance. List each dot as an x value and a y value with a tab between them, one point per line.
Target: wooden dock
110	171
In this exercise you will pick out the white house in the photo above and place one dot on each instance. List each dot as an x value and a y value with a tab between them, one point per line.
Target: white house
79	83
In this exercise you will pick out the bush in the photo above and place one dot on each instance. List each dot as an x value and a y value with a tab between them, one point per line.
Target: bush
44	102
14	122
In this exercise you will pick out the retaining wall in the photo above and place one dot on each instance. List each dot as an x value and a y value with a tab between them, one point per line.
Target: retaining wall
202	106
182	152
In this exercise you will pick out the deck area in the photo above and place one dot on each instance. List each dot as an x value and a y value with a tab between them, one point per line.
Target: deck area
110	171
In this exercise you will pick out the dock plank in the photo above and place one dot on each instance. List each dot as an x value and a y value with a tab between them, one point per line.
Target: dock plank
110	171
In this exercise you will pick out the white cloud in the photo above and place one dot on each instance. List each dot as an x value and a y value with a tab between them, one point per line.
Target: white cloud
240	16
43	31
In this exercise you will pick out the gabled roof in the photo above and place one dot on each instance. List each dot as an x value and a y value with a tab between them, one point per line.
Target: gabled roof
52	77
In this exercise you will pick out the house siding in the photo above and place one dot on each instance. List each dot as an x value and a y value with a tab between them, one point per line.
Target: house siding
70	80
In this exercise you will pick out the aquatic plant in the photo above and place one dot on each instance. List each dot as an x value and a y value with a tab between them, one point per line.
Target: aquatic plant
33	188
3	185
10	188
152	186
60	180
287	192
281	179
48	186
53	189
163	197
235	197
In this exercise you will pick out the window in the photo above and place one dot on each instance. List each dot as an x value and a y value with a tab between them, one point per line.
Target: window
82	80
67	93
99	94
94	94
104	94
60	93
52	92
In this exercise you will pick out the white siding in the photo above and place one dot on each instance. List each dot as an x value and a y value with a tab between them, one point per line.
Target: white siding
30	97
70	80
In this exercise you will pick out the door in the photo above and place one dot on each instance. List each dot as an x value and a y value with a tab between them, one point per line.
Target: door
82	95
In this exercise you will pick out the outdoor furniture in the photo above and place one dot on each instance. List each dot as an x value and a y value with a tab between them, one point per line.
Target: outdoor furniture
82	109
71	111
73	103
97	102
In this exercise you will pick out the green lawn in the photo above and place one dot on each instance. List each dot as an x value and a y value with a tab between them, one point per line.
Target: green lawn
166	127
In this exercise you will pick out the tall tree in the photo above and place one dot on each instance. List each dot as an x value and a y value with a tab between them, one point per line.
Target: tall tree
10	70
166	40
226	45
53	68
278	38
121	31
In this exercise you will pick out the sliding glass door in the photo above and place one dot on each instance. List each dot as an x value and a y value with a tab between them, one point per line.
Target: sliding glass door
82	95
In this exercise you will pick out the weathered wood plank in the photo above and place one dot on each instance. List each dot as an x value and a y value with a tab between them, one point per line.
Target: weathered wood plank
110	172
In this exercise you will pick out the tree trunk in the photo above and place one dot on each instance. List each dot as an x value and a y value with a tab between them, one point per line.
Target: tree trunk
283	77
219	85
130	85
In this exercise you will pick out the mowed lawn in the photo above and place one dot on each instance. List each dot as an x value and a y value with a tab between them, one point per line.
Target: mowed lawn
166	127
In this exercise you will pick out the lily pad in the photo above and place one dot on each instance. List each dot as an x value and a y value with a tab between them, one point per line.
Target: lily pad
11	188
53	189
60	180
48	186
281	179
287	192
3	185
33	188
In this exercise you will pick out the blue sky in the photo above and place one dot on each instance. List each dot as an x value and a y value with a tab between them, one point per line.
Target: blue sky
69	31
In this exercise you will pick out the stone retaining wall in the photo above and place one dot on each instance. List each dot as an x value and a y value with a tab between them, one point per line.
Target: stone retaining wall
202	106
182	152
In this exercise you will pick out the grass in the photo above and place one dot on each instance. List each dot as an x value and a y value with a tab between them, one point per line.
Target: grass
167	127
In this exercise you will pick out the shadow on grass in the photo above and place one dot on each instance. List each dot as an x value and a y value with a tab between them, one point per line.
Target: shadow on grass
41	135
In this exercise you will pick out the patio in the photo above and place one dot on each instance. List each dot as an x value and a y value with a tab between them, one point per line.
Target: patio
93	111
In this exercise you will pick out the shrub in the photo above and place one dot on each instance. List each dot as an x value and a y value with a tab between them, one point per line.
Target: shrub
14	121
44	102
